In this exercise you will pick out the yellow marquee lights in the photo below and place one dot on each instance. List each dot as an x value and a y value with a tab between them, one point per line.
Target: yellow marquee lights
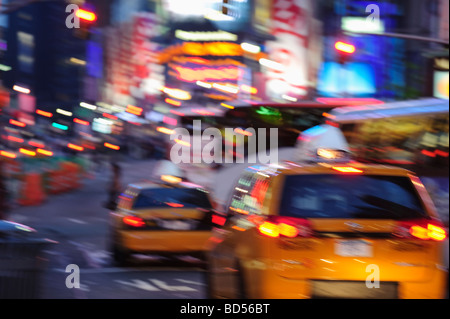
209	62
201	49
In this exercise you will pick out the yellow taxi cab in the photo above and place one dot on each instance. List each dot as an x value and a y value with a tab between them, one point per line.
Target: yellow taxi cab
164	218
331	228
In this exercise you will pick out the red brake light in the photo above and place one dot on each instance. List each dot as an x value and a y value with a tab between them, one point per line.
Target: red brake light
218	220
269	229
436	232
286	226
176	205
421	230
133	221
288	230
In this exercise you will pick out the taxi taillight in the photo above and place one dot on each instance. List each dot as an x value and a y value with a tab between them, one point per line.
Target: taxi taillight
285	227
218	220
133	221
421	229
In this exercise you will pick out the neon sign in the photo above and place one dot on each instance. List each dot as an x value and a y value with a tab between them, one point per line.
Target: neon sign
205	74
201	49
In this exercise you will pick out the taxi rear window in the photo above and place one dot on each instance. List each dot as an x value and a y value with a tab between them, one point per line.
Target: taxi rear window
350	196
172	197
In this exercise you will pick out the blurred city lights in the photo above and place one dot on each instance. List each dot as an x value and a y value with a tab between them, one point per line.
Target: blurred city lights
88	106
27	152
205	36
242	132
44	152
110	116
44	113
177	93
248	89
4	68
271	64
165	130
134	110
82	122
289	98
170	121
344	47
86	15
172	102
60	126
77	61
181	142
170	179
21	89
225	88
36	144
177	113
8	154
348	101
112	146
203	112
251	48
17	123
15	139
64	112
204	84
227	106
103	121
75	147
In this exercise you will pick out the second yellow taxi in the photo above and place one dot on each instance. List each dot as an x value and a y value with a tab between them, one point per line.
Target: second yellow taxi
161	218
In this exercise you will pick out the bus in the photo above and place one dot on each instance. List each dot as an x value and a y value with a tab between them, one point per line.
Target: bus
411	134
290	118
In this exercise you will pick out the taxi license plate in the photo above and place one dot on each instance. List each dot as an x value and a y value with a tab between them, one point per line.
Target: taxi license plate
353	248
175	224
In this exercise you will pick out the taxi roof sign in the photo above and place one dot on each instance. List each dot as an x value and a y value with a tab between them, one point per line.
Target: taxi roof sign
322	143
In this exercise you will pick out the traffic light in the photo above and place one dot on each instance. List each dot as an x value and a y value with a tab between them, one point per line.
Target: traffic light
87	19
344	51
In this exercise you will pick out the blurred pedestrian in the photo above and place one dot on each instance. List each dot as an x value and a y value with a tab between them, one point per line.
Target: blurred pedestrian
115	185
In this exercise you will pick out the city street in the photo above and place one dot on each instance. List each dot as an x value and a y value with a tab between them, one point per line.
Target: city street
215	149
79	223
